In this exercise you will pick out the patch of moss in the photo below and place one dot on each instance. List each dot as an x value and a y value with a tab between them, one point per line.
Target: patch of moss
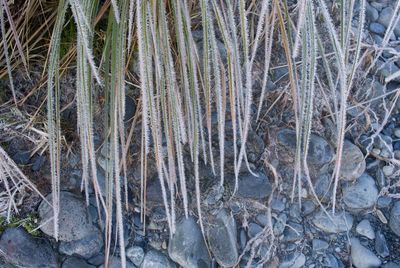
29	223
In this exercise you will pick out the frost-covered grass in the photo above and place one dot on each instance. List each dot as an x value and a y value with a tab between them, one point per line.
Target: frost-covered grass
180	88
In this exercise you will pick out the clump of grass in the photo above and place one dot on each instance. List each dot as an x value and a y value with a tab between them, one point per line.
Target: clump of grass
181	89
14	184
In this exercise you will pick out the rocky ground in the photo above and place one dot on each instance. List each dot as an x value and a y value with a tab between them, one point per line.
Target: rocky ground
260	226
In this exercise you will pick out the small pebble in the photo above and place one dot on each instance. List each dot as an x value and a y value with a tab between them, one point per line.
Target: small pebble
376	151
294	211
394	221
377	28
293	260
396	145
280	224
397	132
383	201
381	217
254	229
278	205
381	246
307	207
385	153
242	239
135	254
388	170
319	245
262	219
364	228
